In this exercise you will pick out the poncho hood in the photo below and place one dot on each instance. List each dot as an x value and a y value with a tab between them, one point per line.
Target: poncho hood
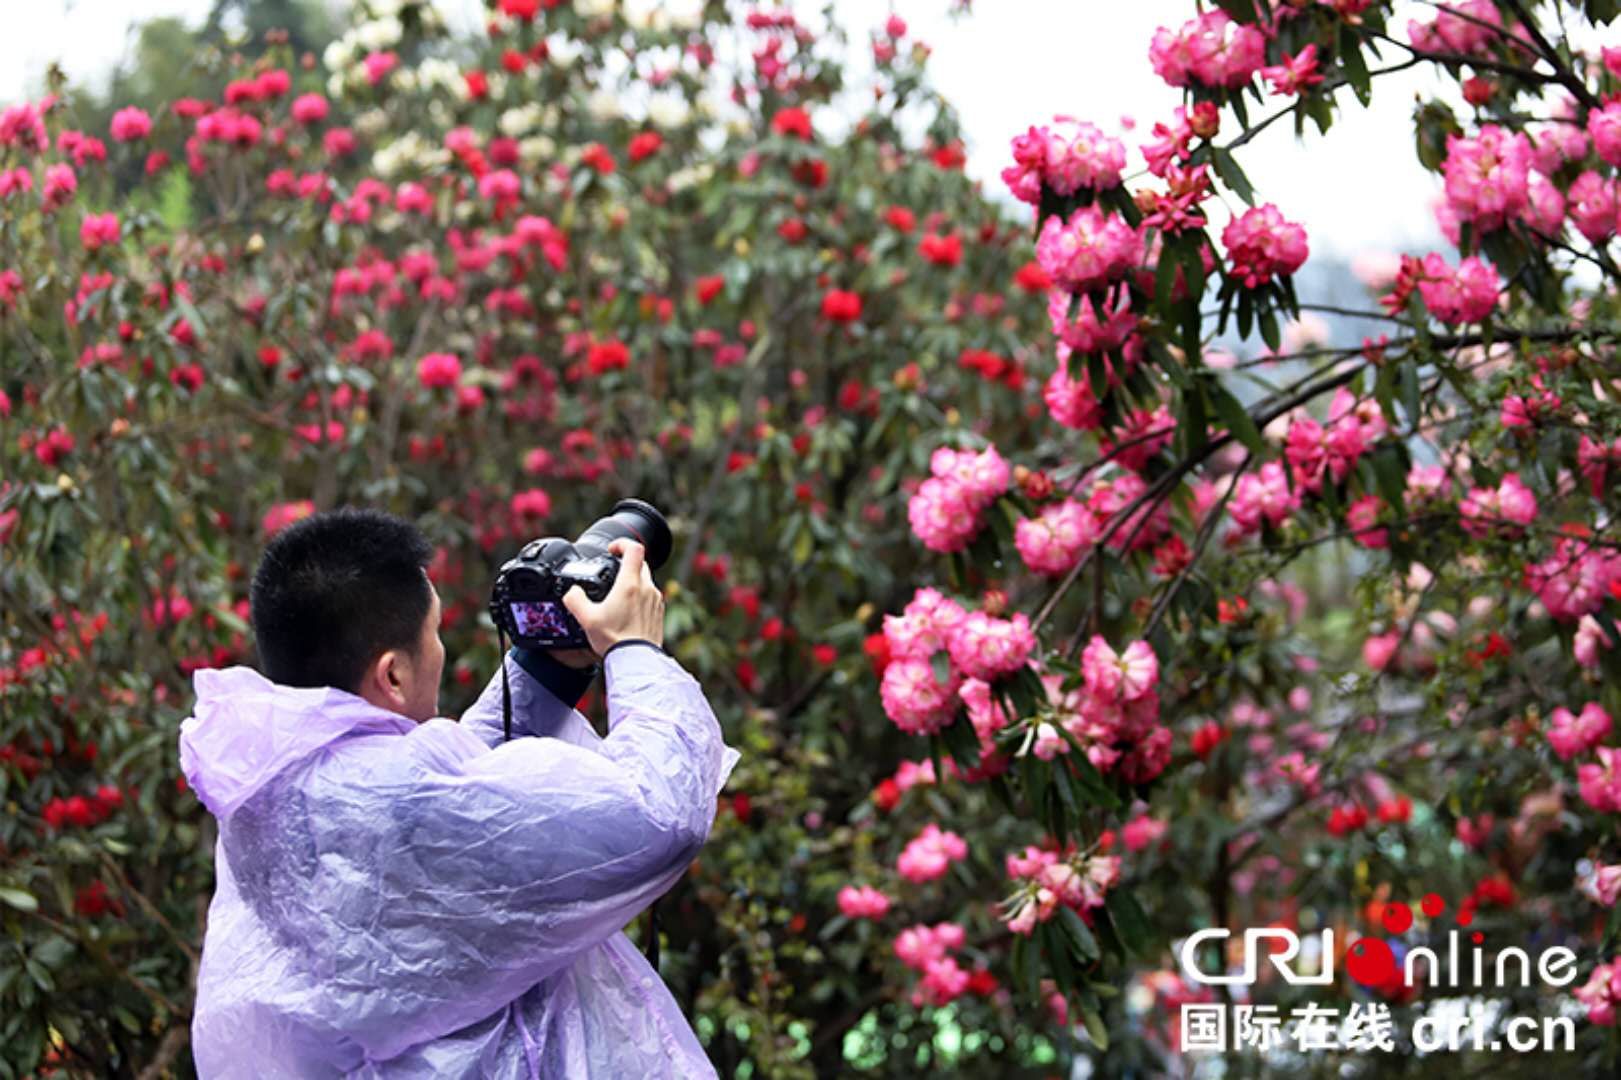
247	730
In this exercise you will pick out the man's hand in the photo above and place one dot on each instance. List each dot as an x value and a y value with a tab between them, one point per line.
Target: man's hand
633	608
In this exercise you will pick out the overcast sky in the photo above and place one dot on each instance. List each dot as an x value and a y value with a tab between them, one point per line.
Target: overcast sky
1013	63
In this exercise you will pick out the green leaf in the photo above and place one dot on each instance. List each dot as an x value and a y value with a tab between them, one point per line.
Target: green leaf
1128	919
1236	417
1080	935
1354	63
19	899
1231	175
1410	398
1095	1029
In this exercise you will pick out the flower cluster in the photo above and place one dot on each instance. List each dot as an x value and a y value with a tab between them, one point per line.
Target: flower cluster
930	853
1049	880
1114	714
1488	176
1051	543
864	902
945	511
1064	156
1316	450
913	698
926	950
1210	50
1461	294
81	811
1601	993
1090	249
985	647
1577	733
1262	245
1502	510
1575	579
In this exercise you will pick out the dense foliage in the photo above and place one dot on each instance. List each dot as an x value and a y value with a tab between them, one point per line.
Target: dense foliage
1065	589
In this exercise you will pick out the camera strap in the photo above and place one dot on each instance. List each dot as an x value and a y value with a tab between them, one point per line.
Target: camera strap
652	950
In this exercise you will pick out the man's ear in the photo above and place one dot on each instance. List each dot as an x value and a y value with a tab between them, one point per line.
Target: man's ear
386	678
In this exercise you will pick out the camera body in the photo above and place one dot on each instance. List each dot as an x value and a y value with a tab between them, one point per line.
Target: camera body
527	600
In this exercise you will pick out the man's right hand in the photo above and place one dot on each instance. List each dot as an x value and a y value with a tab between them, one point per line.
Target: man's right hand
633	608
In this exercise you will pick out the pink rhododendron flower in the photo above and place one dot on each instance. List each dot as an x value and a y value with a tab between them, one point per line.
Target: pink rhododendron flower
985	713
1467	293
1575	579
918	946
1603	885
864	902
1545	208
1052	542
378	65
1577	733
1296	73
1142	832
1261	496
1174	141
928	855
1261	245
1099	325
1601	993
1591	640
1427	484
129	124
1110	498
1378	649
1071	401
1092	248
60	184
914	700
98	230
1117	677
1600	784
985	647
1604	126
1592	206
1139	438
1361	516
945	511
439	370
1210	49
281	515
923	628
309	108
1487	176
1472	30
1486	511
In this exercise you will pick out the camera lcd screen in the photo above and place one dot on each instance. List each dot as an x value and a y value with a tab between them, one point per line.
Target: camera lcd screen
540	618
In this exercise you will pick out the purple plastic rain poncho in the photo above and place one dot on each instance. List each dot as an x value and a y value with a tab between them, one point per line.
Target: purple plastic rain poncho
405	900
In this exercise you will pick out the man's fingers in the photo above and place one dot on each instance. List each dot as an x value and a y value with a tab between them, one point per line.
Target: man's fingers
632	561
576	601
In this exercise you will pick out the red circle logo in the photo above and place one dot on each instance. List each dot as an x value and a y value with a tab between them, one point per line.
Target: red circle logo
1370	962
1396	918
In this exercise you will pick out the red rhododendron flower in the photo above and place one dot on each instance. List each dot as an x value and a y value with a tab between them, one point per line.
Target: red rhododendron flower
839	305
792	121
644	145
439	370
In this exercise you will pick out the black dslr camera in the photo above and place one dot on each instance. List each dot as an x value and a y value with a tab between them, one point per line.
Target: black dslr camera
527	601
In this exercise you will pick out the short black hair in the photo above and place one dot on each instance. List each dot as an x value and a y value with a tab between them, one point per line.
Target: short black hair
335	591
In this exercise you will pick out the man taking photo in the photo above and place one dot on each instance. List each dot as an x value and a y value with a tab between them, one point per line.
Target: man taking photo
402	895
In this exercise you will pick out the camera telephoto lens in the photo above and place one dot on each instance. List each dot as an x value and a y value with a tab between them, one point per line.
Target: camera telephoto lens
635	520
